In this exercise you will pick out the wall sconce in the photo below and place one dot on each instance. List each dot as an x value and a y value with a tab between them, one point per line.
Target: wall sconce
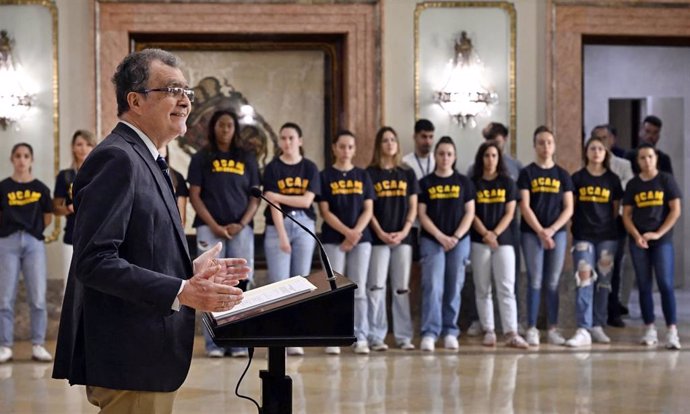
15	102
464	96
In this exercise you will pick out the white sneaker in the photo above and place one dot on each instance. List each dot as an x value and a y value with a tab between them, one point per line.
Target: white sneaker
379	346
295	351
239	353
216	353
581	338
451	342
333	350
362	347
599	336
672	341
517	341
5	354
532	336
554	337
428	344
475	329
489	339
39	353
650	338
406	345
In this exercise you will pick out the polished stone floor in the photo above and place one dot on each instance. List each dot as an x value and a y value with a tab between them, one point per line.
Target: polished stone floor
619	378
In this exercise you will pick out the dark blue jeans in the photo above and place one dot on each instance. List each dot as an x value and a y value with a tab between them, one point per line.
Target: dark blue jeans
660	259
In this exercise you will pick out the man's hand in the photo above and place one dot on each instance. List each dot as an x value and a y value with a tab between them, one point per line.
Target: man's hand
203	294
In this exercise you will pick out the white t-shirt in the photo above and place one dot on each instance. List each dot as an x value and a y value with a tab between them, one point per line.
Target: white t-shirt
421	166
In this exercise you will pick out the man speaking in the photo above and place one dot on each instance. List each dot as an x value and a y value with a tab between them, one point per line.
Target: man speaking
127	324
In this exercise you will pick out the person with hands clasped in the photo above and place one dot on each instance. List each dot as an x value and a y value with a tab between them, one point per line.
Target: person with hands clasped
346	205
492	253
446	211
395	210
546	204
651	207
291	181
220	176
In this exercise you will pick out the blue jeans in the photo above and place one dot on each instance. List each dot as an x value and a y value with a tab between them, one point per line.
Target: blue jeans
591	303
283	265
396	262
543	268
660	258
241	245
20	251
443	274
355	265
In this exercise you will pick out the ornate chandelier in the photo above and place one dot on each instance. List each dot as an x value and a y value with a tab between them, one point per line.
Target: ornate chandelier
15	102
464	96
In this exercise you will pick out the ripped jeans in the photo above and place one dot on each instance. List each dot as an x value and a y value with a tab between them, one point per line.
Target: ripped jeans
595	258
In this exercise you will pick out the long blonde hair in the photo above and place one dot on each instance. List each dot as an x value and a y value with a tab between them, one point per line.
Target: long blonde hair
377	158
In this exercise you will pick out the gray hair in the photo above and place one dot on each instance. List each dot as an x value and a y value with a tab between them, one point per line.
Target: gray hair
132	73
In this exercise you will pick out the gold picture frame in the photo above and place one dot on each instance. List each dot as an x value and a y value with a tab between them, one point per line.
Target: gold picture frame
463	10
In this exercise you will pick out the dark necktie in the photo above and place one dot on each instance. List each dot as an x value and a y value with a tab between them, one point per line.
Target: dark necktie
166	171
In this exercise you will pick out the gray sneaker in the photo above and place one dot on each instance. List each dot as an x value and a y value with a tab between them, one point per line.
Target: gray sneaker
672	341
554	337
532	336
599	336
650	338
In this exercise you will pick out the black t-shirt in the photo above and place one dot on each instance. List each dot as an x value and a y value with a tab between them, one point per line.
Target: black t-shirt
490	206
63	189
22	206
393	189
181	189
291	179
345	192
546	187
225	179
593	219
649	200
445	199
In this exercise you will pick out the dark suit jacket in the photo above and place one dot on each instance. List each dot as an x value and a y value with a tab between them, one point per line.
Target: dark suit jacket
117	329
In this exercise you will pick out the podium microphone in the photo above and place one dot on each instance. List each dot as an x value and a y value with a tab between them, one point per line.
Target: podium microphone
256	192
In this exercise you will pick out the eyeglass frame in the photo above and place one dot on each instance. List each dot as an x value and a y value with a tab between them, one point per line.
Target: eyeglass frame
174	90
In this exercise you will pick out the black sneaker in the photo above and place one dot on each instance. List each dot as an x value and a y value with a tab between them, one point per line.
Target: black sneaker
616	322
624	310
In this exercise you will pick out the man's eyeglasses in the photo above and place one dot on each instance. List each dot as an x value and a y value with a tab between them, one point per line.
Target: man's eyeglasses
177	92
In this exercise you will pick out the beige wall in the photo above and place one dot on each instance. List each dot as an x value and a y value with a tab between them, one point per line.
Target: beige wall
398	70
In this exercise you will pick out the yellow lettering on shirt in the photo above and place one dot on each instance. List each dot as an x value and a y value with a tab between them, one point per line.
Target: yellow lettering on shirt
293	185
649	199
495	195
594	194
22	198
391	188
440	191
228	166
546	185
344	187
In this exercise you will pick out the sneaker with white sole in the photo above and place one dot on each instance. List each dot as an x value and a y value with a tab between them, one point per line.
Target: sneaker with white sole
406	345
215	353
650	337
489	339
517	341
672	341
361	347
39	353
554	337
428	344
295	351
239	352
532	336
581	338
379	346
451	342
333	350
5	354
475	329
599	336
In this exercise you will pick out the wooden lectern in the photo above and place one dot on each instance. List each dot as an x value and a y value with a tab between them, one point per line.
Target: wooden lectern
322	317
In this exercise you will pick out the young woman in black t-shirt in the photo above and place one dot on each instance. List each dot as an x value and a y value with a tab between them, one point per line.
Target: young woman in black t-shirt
446	211
651	207
492	252
597	194
25	211
395	209
346	205
82	144
220	177
546	203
